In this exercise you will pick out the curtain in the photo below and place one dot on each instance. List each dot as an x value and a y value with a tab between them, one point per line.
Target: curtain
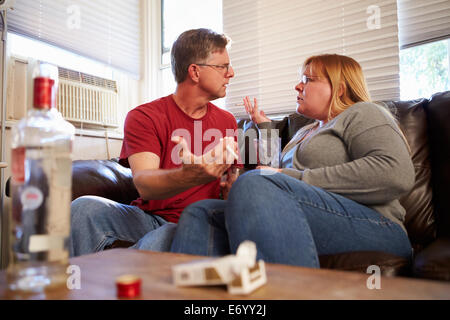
271	39
108	31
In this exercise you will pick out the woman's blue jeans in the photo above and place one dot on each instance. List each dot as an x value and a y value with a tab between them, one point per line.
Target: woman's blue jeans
290	221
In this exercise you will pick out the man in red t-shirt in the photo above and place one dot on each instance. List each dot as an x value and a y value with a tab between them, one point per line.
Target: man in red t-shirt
175	150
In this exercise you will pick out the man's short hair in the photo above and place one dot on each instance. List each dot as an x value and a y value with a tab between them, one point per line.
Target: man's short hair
194	46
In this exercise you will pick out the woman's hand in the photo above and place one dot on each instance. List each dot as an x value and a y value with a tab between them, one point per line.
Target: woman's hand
227	181
255	115
269	168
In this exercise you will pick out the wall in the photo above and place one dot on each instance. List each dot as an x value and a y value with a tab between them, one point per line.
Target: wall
4	213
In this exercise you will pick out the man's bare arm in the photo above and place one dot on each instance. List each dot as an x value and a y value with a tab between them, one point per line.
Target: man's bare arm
155	183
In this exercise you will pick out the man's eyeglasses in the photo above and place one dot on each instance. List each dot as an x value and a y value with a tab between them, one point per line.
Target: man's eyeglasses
223	67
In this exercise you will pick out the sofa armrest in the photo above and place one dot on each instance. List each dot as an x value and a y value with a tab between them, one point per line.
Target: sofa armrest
103	178
433	262
390	265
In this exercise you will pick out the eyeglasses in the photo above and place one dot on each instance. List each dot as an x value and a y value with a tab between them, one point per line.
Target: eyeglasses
222	67
305	79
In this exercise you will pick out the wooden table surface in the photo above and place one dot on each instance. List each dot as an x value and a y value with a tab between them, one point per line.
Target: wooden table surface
98	273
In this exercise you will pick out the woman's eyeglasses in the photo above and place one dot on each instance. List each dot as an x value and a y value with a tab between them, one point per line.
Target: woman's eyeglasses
305	79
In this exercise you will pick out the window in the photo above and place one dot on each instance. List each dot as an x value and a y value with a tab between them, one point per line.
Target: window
424	70
179	16
103	30
424	35
26	47
271	40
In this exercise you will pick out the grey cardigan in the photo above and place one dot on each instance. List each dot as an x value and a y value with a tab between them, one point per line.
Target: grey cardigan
361	154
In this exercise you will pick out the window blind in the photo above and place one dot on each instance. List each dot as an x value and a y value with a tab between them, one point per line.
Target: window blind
271	39
108	31
423	21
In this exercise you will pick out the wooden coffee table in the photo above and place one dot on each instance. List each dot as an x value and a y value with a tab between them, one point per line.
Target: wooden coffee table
99	271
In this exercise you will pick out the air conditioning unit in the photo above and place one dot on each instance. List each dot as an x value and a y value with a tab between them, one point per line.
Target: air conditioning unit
87	99
83	99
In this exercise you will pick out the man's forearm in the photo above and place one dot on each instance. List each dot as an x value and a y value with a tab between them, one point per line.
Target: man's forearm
153	184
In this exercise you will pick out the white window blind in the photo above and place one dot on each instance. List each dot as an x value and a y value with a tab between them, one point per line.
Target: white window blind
423	21
108	31
271	39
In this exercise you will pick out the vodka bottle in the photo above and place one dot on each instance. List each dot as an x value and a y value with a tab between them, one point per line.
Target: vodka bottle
41	190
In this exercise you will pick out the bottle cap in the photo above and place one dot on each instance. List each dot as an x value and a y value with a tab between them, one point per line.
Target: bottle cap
45	77
128	286
43	93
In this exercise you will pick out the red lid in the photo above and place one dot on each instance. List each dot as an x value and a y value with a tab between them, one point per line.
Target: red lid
128	286
43	89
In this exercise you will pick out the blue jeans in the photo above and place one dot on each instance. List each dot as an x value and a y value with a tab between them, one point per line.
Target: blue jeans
290	221
97	222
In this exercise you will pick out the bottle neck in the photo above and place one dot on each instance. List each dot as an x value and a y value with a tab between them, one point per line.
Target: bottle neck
44	93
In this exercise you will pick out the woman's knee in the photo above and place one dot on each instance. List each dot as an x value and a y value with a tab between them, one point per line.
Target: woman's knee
263	183
200	211
248	178
249	190
250	183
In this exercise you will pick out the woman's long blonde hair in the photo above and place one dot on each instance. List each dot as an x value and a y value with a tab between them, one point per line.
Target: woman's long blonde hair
344	74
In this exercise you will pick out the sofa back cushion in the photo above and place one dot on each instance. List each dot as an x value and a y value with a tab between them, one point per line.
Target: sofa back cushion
438	115
104	178
420	219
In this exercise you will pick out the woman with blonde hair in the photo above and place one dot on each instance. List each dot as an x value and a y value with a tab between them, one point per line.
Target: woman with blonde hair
338	187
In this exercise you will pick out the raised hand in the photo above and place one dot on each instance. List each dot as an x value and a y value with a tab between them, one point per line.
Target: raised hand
209	166
256	115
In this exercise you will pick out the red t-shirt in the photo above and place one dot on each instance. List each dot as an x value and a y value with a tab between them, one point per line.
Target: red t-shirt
150	127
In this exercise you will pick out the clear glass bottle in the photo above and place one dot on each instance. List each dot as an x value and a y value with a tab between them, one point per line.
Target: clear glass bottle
41	190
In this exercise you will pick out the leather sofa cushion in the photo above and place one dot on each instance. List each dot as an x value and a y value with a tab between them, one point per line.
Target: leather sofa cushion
434	261
390	265
104	178
438	115
420	218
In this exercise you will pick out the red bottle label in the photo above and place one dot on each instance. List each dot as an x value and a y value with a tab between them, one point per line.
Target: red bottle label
18	164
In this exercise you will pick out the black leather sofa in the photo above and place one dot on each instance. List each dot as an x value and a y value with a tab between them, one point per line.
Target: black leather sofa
426	124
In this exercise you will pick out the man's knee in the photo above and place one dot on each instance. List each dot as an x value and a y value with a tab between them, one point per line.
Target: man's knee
87	208
159	239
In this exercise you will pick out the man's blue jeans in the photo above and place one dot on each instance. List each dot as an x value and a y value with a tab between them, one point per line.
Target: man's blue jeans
97	222
290	221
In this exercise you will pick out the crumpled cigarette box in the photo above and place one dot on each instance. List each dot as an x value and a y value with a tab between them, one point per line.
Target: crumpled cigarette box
241	272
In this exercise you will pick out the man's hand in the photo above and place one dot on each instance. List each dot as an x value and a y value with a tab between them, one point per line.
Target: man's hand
209	166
